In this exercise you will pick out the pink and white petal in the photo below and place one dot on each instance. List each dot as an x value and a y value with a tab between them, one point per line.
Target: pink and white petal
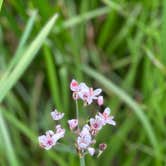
97	92
107	111
59	135
83	87
49	133
46	142
73	123
57	115
100	100
92	120
87	127
42	138
89	100
60	130
91	151
74	86
110	121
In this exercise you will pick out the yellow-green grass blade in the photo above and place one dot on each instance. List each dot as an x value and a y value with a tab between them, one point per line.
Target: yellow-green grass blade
1	1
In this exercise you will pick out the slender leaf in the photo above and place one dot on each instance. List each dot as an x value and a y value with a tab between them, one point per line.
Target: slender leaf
26	59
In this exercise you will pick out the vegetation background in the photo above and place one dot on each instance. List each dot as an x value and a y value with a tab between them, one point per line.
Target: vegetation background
118	45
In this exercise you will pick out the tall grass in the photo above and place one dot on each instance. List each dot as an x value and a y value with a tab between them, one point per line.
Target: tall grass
119	45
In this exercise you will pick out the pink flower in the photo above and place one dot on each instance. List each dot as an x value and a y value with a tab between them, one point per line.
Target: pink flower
100	100
82	91
96	124
106	117
60	132
91	151
57	115
73	123
50	139
47	141
88	95
84	139
74	86
77	89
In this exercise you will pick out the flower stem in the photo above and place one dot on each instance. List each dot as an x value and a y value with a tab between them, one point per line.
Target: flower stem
82	161
77	113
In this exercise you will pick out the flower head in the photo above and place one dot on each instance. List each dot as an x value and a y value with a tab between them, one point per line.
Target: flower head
88	95
106	117
60	132
56	115
47	141
96	124
73	123
84	139
102	146
50	139
74	86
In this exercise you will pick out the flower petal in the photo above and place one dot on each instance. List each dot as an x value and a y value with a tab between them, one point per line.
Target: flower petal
97	92
91	151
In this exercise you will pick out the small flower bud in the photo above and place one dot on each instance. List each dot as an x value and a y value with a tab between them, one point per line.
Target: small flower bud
74	86
56	115
100	100
102	146
73	123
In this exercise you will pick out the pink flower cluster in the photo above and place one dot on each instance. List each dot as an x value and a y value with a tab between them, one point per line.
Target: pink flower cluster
50	139
85	93
85	137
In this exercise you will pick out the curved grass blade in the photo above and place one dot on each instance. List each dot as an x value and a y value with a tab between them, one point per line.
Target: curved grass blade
5	138
18	54
26	59
82	18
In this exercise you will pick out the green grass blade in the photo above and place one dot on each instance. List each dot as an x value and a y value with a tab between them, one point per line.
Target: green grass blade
52	77
163	34
9	150
24	38
26	59
1	1
18	54
155	61
82	18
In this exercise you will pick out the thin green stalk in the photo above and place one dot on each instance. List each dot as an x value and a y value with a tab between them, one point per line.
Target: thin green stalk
77	113
82	161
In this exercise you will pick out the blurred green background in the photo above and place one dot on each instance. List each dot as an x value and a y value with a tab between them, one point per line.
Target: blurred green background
117	45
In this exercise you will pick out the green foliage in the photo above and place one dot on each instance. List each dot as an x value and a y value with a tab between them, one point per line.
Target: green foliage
116	45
